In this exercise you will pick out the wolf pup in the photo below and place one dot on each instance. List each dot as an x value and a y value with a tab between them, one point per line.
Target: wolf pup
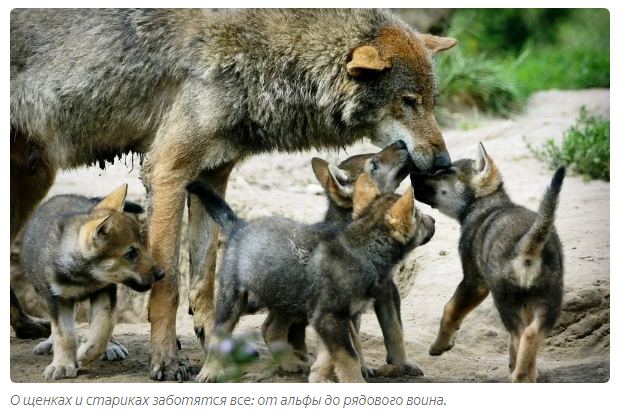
196	92
76	249
337	280
505	249
387	169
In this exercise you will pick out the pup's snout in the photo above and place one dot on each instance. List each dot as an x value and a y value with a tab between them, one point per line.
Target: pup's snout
159	275
442	161
429	225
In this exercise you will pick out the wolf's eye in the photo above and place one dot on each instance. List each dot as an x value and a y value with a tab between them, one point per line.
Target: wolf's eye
410	101
373	166
132	253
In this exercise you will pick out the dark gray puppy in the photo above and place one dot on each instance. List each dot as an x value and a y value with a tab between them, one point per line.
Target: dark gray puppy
341	271
387	169
505	249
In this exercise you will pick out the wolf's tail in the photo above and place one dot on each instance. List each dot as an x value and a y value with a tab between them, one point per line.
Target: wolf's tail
215	205
530	246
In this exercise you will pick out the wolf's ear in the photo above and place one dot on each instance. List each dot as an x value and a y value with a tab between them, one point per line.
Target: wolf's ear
435	44
320	169
401	217
338	187
366	57
487	177
115	200
365	192
95	229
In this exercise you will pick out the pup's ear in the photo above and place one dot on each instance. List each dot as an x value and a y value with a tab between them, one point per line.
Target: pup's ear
435	44
338	187
401	217
487	178
320	169
366	57
365	192
115	200
95	229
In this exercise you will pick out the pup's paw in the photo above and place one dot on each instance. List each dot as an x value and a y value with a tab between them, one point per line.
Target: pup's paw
441	345
210	372
319	377
115	351
292	364
59	371
44	348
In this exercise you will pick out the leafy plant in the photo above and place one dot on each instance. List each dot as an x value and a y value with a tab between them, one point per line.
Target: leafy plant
585	148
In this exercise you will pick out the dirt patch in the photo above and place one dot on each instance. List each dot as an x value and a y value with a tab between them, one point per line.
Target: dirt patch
578	349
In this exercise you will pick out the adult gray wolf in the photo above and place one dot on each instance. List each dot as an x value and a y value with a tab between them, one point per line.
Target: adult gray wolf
76	249
344	272
195	92
505	249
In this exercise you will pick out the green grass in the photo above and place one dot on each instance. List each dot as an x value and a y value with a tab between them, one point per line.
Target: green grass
585	148
560	68
504	55
478	82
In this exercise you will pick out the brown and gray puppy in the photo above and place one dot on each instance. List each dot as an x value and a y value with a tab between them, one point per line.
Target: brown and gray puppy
339	278
387	169
505	249
76	249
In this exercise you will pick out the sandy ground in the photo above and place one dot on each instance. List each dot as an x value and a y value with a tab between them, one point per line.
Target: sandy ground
578	349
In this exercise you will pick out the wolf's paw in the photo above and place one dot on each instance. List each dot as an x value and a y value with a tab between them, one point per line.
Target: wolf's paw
368	372
395	371
170	368
115	351
30	327
210	372
44	348
292	364
441	345
59	371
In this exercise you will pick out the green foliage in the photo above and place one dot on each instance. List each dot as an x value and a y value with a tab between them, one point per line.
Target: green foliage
478	82
504	55
585	148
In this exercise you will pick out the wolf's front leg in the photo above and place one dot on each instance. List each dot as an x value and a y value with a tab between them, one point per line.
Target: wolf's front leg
64	364
387	308
102	318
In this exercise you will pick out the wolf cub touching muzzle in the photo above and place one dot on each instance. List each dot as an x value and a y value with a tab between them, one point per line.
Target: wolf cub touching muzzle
336	280
505	249
76	249
387	169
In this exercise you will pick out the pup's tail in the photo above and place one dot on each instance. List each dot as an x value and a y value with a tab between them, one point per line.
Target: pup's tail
215	205
530	246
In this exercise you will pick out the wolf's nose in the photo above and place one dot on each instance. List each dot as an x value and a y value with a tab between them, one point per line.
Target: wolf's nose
160	275
443	160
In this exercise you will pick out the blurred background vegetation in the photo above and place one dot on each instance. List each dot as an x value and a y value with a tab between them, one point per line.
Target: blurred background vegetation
505	55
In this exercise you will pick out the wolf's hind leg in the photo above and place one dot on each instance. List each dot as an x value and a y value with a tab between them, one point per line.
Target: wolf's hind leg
468	295
335	331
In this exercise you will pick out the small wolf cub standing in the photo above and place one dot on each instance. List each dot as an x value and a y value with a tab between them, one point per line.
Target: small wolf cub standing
505	249
76	249
338	279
